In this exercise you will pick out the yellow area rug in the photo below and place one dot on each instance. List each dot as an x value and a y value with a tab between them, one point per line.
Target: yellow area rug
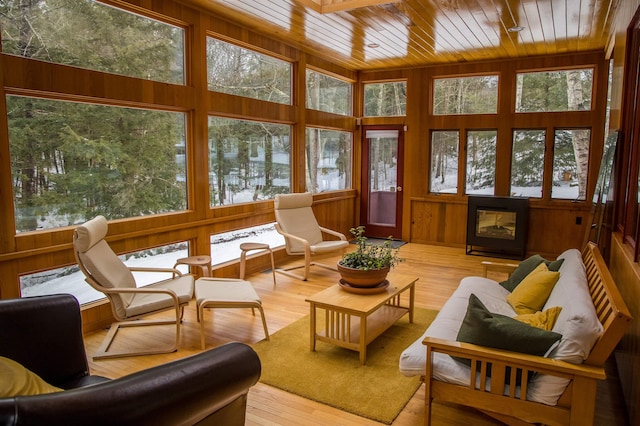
334	376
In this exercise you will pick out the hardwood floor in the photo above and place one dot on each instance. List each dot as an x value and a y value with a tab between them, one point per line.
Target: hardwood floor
439	270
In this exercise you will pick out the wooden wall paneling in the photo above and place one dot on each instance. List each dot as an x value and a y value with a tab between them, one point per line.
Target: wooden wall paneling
417	147
9	281
32	77
325	206
223	104
438	222
298	130
328	120
199	196
96	315
506	108
626	273
598	132
553	230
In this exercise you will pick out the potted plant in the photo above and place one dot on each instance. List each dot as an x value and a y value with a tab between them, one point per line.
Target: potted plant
369	264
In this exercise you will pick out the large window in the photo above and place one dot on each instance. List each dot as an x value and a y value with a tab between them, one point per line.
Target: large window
328	155
465	95
481	162
527	163
328	94
95	36
385	99
444	161
238	71
549	91
71	161
570	163
248	160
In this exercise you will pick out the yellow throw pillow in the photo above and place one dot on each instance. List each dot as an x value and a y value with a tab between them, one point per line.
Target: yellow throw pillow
534	290
542	319
19	381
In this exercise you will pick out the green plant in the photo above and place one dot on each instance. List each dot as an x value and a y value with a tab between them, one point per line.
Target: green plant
369	256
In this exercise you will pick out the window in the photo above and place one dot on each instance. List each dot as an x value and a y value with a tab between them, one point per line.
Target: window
385	99
238	71
71	280
328	155
248	160
481	162
570	164
527	163
95	36
549	91
71	161
328	94
465	95
444	161
225	246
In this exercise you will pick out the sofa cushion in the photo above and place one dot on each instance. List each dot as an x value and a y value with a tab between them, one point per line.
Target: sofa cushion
531	294
484	328
542	319
577	322
447	324
20	381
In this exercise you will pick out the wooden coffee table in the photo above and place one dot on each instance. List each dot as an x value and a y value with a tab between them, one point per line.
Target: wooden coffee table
352	321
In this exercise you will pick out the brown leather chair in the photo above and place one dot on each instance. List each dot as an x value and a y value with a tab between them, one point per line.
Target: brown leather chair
44	334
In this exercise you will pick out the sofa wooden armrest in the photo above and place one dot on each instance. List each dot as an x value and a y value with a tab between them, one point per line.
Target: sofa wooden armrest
493	394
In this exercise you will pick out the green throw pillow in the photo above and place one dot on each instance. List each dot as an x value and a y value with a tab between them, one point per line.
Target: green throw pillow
484	328
555	265
526	267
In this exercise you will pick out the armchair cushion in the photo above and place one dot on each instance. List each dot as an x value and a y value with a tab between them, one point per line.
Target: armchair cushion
295	216
18	380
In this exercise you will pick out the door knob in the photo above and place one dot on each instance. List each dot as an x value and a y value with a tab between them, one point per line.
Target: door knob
399	189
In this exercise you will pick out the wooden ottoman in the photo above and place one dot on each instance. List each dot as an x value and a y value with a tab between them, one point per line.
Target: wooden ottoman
226	293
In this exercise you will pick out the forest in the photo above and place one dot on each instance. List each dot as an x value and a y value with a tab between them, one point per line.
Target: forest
71	161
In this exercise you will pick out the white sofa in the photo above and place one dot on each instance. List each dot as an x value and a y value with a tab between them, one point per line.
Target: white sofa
579	322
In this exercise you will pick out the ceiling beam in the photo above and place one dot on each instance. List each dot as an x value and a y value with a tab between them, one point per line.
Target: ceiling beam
330	6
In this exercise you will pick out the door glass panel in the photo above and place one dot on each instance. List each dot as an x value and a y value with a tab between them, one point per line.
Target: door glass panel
383	177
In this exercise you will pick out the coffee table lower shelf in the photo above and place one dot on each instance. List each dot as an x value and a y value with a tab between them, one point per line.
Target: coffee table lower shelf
344	330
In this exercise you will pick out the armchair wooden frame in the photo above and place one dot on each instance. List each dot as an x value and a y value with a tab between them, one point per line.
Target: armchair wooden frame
103	351
576	405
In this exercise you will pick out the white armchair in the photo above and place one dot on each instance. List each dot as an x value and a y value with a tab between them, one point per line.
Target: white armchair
302	233
106	273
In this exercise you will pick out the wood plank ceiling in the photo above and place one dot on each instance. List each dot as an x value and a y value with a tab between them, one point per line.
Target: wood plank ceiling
375	34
